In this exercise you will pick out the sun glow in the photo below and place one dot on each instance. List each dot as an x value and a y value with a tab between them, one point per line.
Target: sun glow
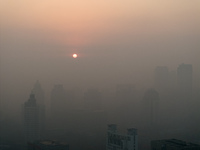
75	55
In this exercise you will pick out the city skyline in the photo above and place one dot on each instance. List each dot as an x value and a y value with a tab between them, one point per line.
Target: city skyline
87	64
149	111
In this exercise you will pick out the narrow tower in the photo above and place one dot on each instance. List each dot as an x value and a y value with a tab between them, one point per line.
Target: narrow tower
39	96
184	77
31	119
150	103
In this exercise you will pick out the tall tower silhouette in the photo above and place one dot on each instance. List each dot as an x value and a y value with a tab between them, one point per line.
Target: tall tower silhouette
39	96
31	119
151	103
38	92
184	80
185	77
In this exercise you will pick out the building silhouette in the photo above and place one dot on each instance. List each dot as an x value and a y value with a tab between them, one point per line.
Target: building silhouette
172	80
116	141
39	96
184	78
150	107
173	144
31	119
39	93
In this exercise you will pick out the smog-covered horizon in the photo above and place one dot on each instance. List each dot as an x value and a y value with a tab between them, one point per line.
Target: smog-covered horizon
133	63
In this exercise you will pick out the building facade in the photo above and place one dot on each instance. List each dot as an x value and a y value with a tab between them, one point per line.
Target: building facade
117	141
31	119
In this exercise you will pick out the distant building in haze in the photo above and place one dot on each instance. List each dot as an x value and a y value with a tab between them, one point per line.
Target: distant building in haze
185	77
39	96
31	119
38	92
151	106
173	144
116	141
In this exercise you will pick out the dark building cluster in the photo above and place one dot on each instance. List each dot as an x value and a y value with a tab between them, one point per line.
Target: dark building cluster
173	144
77	119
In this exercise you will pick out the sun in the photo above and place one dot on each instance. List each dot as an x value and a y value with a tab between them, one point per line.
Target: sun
75	55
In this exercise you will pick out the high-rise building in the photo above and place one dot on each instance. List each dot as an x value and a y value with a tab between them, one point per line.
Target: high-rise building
38	92
39	96
150	107
185	77
117	141
173	144
31	119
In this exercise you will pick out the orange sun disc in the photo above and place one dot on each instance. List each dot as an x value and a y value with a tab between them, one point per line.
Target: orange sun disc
75	55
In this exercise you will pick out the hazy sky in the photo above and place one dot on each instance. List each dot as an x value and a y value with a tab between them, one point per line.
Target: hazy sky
117	41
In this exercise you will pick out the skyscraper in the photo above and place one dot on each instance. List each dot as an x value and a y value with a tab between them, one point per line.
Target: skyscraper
185	97
31	119
39	96
151	102
38	92
185	77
